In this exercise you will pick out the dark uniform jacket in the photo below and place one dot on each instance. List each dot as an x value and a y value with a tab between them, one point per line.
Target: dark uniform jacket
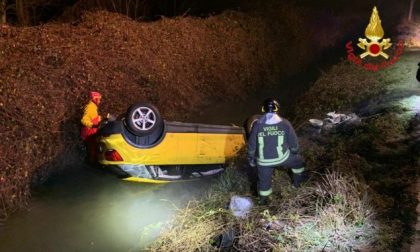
272	144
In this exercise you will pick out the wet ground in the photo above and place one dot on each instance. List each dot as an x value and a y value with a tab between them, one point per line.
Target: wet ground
90	210
87	209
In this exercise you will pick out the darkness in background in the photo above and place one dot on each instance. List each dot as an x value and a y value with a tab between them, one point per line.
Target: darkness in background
170	8
390	12
42	11
39	11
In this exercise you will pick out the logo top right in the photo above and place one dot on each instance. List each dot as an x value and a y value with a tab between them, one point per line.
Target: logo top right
374	32
374	45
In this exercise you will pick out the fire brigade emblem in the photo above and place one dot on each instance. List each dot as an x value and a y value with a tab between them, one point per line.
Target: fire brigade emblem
373	46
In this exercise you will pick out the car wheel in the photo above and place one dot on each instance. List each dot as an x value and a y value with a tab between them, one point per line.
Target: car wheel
249	123
143	119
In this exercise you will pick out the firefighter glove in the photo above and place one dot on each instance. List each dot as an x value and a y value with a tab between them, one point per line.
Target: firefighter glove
251	162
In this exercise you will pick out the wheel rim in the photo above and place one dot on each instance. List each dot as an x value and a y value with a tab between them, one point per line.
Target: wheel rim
143	118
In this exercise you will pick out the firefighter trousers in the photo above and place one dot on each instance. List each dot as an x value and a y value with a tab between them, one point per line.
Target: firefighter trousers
265	173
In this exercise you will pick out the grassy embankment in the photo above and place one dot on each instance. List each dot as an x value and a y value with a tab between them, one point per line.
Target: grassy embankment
178	64
358	196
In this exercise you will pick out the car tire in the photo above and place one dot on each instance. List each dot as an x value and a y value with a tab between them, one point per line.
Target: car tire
249	123
143	119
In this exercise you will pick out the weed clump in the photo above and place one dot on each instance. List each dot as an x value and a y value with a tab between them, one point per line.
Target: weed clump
341	87
331	214
357	197
198	225
180	65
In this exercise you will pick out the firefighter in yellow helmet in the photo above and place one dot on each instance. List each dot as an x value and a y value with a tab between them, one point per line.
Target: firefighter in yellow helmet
90	122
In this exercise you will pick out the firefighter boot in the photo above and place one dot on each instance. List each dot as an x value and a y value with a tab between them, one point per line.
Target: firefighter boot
298	179
264	200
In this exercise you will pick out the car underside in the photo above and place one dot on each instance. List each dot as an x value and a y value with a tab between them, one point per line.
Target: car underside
144	148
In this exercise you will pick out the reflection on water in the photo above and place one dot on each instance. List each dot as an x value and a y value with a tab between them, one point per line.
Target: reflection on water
89	210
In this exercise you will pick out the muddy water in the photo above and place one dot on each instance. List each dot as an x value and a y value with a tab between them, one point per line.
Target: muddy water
87	209
90	210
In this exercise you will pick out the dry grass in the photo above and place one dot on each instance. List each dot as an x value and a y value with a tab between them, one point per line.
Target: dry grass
185	234
332	214
410	33
335	211
178	64
357	198
341	219
342	86
198	224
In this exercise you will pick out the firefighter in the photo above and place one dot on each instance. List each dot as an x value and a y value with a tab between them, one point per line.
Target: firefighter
273	143
90	122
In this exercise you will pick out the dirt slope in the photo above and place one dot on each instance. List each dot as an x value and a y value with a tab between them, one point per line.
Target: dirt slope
178	64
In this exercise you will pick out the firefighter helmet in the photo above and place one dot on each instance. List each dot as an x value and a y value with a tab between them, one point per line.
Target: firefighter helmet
270	106
95	97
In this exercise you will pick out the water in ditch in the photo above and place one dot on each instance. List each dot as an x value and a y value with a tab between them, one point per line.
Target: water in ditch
87	209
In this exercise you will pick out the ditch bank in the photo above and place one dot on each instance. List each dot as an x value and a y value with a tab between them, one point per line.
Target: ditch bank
359	193
179	64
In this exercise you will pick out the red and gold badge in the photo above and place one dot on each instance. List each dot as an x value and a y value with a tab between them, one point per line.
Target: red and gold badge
374	32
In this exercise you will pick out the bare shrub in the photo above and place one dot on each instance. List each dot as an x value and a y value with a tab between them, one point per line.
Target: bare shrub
342	86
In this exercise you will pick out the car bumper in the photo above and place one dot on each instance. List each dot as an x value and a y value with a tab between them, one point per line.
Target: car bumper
158	174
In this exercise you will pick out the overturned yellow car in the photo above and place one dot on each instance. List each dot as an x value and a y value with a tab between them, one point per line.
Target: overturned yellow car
143	147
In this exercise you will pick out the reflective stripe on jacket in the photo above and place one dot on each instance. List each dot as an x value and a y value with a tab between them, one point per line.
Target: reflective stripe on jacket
271	144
